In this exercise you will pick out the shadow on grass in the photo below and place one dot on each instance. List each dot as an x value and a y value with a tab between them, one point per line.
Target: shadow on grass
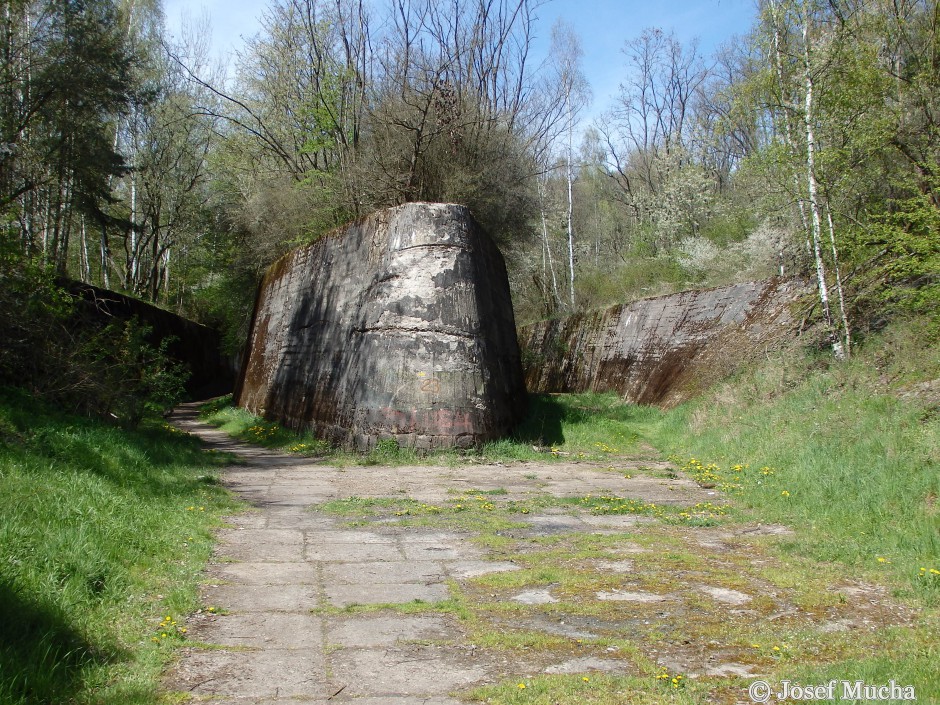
42	658
543	424
551	415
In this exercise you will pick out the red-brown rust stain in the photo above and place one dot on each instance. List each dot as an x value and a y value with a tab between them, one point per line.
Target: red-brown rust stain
293	383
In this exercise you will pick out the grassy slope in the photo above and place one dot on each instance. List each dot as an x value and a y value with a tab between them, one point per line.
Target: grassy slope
854	468
102	535
855	456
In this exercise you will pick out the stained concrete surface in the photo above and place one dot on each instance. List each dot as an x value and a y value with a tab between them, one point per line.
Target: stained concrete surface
302	599
283	573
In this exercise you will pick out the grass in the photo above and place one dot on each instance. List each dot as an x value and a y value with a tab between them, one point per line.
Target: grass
594	689
103	536
596	427
846	454
463	510
840	452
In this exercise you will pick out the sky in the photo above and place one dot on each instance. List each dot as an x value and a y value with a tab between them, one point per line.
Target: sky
602	25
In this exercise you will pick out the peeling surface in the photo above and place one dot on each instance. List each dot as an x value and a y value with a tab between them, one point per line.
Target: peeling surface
398	326
661	350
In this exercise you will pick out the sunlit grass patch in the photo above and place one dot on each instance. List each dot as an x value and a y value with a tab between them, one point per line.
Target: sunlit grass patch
241	424
593	689
839	452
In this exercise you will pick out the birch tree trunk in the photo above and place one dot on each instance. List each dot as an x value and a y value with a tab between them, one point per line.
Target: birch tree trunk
813	188
787	129
570	177
547	250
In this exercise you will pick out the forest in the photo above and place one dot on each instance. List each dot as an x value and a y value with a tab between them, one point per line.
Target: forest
808	147
132	160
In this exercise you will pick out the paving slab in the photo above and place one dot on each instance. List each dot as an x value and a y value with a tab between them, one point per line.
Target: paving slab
424	551
628	596
407	700
262	630
235	700
383	630
388	594
412	671
353	552
346	536
535	597
253	673
262	544
476	568
384	572
265	573
262	598
590	663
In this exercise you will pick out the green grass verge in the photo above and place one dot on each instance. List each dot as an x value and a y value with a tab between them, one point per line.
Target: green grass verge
843	453
103	534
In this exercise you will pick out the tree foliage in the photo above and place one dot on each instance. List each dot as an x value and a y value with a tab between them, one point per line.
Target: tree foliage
809	146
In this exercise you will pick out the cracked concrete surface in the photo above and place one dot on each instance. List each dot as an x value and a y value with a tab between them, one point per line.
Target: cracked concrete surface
284	572
311	608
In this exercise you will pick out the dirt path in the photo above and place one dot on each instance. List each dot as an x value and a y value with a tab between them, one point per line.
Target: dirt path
315	607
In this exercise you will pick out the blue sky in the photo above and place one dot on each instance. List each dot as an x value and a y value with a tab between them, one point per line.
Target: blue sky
603	26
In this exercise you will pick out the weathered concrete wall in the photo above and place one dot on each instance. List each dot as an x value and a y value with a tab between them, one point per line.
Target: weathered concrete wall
196	346
662	350
397	326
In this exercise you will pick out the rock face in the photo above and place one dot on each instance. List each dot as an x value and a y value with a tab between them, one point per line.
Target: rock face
397	326
663	350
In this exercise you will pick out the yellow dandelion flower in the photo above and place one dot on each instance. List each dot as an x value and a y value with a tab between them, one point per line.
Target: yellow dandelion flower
521	686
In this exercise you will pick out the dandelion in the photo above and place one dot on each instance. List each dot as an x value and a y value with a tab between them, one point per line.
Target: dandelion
934	571
882	559
521	686
784	494
585	679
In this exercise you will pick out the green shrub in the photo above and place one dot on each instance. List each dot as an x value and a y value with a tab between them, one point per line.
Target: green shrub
57	352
